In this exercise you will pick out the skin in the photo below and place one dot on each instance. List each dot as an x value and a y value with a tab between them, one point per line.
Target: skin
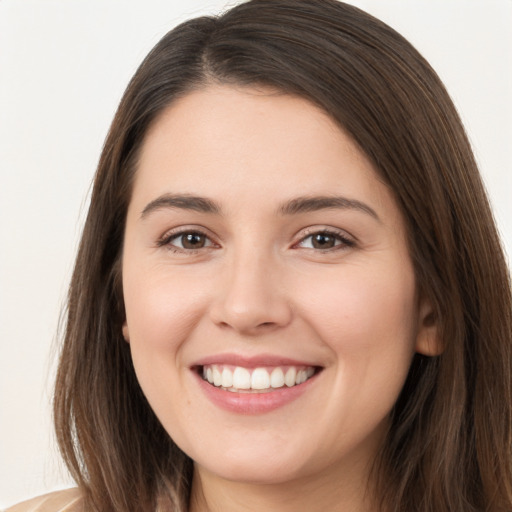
259	285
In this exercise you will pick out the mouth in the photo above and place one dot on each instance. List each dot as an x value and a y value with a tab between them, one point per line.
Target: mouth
265	379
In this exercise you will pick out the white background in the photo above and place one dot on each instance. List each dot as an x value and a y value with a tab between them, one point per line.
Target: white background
63	67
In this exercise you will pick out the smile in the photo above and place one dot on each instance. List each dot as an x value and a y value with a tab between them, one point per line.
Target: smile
255	380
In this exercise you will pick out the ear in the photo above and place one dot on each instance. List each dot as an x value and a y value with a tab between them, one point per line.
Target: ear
126	333
428	341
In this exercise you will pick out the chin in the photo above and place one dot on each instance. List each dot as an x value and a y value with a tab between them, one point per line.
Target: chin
256	473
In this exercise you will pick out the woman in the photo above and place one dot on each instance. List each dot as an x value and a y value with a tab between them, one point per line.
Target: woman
289	293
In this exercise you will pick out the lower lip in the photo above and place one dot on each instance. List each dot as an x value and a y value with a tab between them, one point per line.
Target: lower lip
253	403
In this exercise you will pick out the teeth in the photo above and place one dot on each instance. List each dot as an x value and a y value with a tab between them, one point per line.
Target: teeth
241	378
289	378
234	378
217	377
277	378
260	379
227	378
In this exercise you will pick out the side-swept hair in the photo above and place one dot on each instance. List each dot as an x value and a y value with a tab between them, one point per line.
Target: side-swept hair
449	445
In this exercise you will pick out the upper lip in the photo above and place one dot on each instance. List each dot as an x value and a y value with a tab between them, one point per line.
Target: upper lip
253	361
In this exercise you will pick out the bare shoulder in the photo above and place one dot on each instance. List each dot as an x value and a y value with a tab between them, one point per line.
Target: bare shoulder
59	501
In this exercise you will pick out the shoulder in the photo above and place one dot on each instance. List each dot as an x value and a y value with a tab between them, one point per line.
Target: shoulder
59	501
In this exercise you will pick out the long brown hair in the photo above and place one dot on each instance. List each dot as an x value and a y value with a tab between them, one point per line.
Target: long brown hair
449	444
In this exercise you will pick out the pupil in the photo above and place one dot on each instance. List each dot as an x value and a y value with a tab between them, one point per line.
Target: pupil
323	241
193	241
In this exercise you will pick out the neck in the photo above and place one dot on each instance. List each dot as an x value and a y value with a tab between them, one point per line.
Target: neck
330	491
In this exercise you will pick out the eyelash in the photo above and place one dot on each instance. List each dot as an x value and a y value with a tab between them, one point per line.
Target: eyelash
344	241
167	238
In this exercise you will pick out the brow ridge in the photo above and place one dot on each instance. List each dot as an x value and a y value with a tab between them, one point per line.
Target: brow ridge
295	206
314	203
182	201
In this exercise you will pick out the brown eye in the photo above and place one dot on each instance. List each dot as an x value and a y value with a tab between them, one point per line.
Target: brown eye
187	241
323	241
193	240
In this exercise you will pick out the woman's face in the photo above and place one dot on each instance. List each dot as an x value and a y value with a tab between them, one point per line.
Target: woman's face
262	250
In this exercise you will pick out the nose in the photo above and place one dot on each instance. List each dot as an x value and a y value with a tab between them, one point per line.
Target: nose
251	298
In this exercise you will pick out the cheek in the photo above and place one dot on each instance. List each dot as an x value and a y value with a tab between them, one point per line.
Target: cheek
369	323
362	300
160	308
161	311
368	319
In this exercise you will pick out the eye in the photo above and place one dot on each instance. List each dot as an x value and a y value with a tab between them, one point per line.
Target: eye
186	241
325	240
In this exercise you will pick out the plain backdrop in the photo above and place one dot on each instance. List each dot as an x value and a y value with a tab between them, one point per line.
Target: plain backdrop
63	68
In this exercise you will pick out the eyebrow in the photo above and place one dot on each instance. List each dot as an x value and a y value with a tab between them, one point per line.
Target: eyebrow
315	203
183	202
293	207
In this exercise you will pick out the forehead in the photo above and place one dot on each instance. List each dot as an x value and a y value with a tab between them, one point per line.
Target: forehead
251	142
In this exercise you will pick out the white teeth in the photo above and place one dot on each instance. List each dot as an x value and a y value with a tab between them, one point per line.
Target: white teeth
241	378
289	378
217	377
277	378
260	379
227	378
301	377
